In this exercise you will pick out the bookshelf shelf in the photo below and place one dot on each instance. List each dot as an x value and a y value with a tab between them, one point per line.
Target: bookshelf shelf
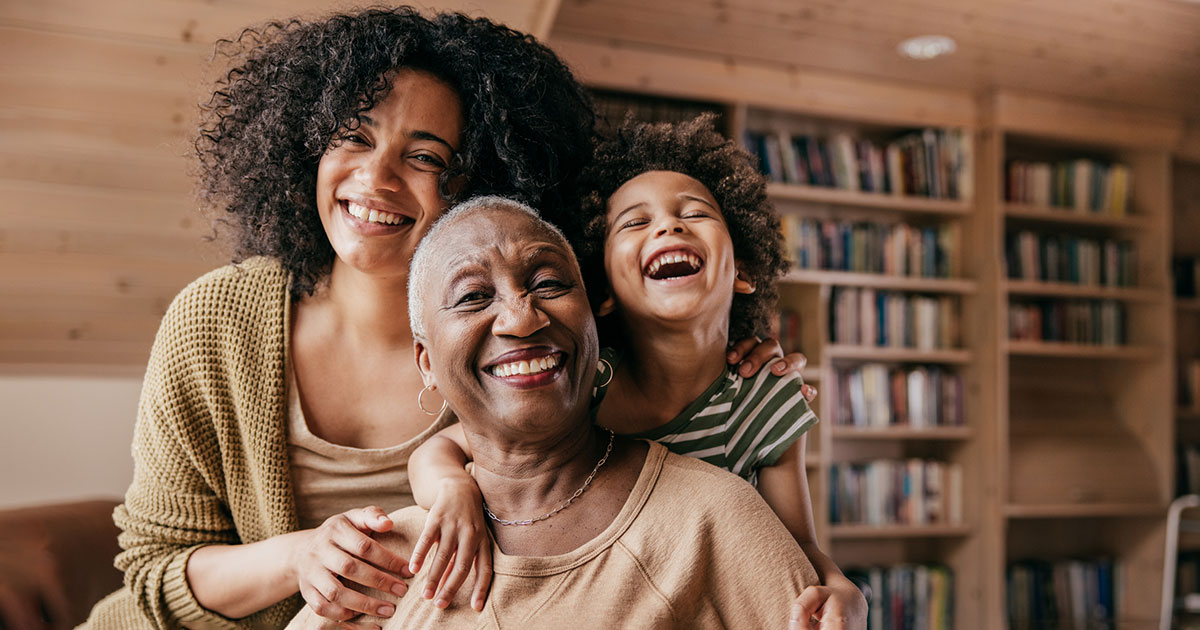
1051	349
1188	304
879	281
1066	290
1187	414
1084	510
811	374
903	433
1067	217
841	352
873	532
881	201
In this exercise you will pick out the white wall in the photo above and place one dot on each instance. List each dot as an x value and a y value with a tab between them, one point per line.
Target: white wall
65	437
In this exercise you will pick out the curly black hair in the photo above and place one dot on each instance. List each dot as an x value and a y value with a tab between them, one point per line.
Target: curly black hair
296	86
696	149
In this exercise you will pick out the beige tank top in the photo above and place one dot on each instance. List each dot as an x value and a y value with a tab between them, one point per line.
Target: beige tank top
330	478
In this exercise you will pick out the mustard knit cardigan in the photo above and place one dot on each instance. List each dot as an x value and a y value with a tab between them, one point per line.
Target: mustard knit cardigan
210	448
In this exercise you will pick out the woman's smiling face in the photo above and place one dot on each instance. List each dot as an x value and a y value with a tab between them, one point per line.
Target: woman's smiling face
377	186
508	331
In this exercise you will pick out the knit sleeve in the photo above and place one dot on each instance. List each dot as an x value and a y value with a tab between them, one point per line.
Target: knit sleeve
766	421
174	504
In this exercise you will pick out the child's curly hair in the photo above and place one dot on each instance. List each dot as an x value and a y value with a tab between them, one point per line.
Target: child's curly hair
296	85
696	149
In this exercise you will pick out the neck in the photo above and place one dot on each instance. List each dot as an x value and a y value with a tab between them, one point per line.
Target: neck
372	309
670	366
523	479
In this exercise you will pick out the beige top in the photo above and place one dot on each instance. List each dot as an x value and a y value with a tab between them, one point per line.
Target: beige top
693	547
329	478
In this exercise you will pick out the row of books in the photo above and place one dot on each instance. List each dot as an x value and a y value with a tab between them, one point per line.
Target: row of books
1071	259
787	330
893	249
874	395
895	492
1081	185
1072	594
1189	383
1090	322
1187	276
1189	468
907	596
872	317
927	163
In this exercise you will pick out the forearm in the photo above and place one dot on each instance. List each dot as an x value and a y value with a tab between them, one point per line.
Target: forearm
826	568
239	580
434	463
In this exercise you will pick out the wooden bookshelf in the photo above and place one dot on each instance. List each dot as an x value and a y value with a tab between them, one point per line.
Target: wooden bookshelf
1084	510
875	532
878	201
879	281
1054	349
903	433
1188	305
895	355
1071	218
1066	290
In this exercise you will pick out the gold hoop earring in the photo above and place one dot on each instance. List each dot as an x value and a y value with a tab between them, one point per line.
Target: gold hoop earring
421	403
610	373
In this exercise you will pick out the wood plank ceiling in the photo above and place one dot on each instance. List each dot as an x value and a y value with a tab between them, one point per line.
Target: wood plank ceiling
1137	52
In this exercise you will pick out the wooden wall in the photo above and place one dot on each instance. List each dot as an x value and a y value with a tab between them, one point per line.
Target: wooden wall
98	227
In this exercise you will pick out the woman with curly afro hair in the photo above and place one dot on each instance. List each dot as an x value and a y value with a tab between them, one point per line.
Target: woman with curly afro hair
685	250
282	401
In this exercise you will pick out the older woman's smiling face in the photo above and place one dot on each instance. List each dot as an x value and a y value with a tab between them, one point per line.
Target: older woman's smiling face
508	331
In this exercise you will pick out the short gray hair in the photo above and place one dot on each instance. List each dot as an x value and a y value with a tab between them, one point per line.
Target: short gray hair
420	260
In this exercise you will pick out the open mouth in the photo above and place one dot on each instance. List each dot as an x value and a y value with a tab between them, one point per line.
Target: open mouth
370	215
526	367
676	263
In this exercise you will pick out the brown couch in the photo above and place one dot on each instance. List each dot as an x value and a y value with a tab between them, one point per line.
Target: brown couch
56	561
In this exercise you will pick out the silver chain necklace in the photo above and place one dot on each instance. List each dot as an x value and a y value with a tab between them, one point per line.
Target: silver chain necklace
561	506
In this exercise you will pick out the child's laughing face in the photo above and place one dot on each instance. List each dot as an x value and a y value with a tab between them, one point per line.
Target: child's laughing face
667	251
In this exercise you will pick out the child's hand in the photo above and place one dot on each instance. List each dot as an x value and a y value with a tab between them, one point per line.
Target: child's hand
456	525
838	606
752	353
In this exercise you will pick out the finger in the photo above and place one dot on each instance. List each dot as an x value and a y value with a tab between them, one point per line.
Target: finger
369	519
320	605
429	536
349	539
483	574
808	604
792	361
809	392
738	350
342	564
350	600
767	350
437	570
464	558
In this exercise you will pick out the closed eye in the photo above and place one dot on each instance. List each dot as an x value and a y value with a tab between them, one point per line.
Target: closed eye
473	298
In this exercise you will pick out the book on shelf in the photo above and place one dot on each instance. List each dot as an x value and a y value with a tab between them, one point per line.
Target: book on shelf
786	328
1084	186
1187	276
1069	593
894	249
879	396
1087	322
1070	259
891	319
916	596
895	492
1189	385
931	163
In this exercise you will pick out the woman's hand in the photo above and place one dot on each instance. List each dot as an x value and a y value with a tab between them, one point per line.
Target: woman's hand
342	550
752	353
838	606
457	526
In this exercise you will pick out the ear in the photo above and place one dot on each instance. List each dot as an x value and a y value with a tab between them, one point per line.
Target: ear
741	283
423	364
607	306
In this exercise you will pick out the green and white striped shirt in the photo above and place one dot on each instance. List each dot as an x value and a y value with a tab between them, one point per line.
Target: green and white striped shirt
739	424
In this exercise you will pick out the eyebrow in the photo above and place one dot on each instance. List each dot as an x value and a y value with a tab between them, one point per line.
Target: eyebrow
689	196
418	134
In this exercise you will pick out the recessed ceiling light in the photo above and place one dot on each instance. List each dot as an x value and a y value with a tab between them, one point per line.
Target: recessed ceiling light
926	47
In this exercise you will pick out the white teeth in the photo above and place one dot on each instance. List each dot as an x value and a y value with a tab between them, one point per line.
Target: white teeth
669	258
533	366
372	216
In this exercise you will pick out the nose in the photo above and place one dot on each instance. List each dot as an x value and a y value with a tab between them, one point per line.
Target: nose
669	225
380	171
519	316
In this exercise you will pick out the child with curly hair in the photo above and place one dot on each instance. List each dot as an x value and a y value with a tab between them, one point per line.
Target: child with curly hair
682	250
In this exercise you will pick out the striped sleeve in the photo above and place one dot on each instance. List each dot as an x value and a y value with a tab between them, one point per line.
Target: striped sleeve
769	415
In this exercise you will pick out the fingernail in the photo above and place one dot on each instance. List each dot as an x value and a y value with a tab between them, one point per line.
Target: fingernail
400	588
731	356
412	567
427	593
744	369
477	605
442	602
386	611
